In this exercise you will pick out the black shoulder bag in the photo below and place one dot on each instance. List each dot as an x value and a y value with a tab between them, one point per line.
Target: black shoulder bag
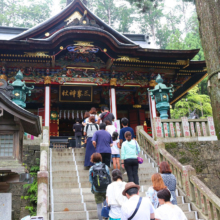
135	211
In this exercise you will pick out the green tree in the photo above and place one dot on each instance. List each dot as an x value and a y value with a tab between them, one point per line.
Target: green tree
150	20
175	41
106	10
125	18
162	35
16	13
192	101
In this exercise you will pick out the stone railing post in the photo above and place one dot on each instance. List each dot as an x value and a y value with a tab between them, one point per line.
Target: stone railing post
43	177
188	171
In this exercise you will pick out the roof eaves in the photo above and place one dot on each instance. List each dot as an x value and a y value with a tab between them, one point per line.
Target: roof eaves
21	110
89	28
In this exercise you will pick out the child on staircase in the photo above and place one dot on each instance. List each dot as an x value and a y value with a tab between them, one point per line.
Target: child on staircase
115	151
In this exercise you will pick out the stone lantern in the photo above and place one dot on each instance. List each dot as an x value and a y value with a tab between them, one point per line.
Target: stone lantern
161	93
20	90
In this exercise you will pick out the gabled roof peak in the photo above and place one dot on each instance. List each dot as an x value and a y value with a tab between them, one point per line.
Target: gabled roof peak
74	14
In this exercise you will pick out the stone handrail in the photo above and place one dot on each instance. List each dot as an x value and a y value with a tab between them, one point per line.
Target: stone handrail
205	201
43	177
173	130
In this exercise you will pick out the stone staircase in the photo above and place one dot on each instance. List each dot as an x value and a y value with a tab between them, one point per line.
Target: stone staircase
70	189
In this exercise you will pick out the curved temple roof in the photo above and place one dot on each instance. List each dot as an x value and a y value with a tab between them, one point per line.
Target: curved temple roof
29	121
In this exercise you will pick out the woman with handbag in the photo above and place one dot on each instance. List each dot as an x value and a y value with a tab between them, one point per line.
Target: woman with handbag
114	196
129	156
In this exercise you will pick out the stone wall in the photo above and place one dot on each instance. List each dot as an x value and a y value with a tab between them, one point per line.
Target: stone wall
30	154
203	156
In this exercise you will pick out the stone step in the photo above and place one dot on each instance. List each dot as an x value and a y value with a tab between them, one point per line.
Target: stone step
60	207
71	191
70	185
185	207
68	196
67	181
85	173
61	166
191	215
75	215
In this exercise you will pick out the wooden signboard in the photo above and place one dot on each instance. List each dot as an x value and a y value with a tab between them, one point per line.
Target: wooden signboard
72	93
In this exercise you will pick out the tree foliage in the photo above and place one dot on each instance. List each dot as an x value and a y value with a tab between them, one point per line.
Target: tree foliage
16	13
194	100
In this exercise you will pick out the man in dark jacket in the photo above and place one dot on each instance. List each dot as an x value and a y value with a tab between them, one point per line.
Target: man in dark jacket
77	128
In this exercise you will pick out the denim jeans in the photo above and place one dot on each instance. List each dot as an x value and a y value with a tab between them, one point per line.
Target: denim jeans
131	167
78	141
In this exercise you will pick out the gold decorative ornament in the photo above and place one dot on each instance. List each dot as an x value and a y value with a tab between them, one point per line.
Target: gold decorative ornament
113	82
84	21
105	50
61	47
83	43
136	106
75	15
37	54
85	12
47	34
152	83
47	80
127	59
3	77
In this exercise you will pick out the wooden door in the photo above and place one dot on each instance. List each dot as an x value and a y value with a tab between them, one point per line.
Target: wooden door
133	119
142	116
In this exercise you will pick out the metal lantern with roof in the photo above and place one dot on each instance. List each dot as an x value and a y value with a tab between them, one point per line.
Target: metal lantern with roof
162	93
20	90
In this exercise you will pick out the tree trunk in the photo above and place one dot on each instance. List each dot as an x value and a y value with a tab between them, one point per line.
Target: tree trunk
209	19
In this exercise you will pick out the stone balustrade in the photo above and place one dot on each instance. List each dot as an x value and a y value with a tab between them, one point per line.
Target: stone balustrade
43	176
173	130
202	198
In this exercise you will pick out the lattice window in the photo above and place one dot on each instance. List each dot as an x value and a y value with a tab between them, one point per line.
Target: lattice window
6	145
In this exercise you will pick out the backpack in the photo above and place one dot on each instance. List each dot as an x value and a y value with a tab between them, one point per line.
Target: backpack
87	126
100	178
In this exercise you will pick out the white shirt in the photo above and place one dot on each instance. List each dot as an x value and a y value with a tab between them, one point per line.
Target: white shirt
144	211
110	129
167	212
115	198
114	148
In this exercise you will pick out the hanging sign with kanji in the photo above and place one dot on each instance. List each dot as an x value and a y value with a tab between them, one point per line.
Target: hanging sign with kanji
165	130
198	129
192	129
185	125
71	93
178	130
204	129
172	134
211	126
158	127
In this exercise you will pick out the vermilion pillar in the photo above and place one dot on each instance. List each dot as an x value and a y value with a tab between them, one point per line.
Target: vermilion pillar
47	105
113	104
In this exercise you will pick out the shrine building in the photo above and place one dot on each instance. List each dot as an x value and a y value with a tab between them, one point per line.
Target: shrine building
75	61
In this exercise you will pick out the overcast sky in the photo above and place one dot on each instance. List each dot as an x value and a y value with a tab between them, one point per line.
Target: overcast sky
168	3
